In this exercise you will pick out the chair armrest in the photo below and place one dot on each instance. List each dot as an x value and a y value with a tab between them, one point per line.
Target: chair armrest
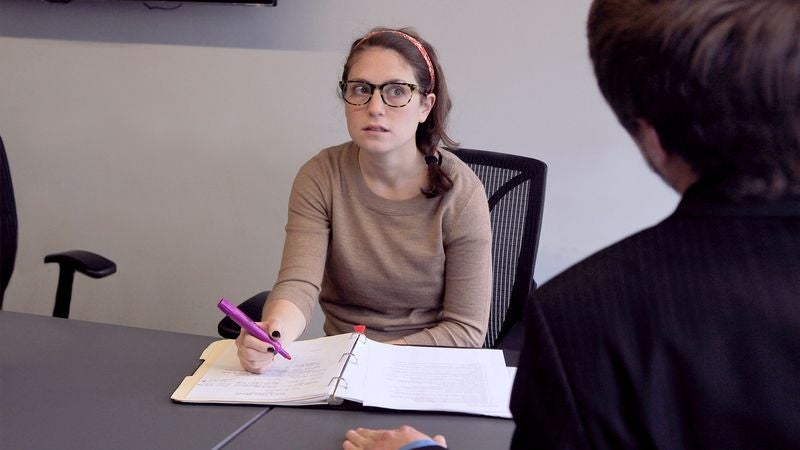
87	263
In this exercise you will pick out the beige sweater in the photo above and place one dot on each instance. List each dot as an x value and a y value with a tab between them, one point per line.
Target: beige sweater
418	269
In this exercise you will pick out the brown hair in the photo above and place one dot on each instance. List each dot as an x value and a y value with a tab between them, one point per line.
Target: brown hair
431	132
718	79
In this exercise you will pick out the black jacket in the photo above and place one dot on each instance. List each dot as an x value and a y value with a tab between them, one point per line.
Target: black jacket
684	335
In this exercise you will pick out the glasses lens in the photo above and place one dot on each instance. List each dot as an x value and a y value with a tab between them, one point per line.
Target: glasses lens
397	94
356	92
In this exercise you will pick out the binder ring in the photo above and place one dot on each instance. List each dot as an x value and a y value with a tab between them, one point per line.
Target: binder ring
349	355
339	380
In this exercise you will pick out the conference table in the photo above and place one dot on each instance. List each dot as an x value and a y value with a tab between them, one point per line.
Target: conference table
67	383
310	428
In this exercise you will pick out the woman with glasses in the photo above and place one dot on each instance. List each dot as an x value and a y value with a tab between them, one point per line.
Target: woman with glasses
388	230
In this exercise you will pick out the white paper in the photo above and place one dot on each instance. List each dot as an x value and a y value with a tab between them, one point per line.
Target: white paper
436	379
473	381
305	379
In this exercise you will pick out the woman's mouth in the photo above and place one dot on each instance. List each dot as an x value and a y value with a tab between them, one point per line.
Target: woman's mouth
375	128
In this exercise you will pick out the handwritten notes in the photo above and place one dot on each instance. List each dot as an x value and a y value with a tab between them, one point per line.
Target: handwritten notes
352	367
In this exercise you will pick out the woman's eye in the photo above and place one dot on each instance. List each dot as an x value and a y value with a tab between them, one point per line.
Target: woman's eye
396	90
361	89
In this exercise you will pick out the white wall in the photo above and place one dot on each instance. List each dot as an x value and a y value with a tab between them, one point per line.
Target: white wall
167	140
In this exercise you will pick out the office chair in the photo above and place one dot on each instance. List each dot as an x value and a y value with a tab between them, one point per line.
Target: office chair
87	263
515	187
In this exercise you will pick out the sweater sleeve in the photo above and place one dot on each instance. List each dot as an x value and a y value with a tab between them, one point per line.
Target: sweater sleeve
468	277
307	235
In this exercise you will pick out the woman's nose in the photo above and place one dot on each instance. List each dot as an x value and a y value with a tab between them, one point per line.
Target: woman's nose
375	104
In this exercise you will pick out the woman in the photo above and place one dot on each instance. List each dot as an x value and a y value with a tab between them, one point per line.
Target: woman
388	230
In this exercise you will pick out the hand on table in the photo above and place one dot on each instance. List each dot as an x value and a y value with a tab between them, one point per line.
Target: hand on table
366	439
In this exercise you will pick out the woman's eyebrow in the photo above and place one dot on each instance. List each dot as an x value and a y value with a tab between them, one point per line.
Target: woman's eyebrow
395	80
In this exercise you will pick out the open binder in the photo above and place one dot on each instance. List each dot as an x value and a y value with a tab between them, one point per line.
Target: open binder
330	370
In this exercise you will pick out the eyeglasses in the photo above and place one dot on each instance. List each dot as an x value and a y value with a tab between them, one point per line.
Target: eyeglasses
393	94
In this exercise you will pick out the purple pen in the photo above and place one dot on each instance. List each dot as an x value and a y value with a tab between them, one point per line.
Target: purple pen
247	323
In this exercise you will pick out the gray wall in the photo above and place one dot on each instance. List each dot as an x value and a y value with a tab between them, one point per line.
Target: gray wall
168	140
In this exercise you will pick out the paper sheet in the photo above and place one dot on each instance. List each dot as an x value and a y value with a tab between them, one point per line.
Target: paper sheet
474	381
429	378
305	379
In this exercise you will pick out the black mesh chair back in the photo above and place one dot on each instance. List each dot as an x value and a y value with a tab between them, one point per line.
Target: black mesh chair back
8	224
515	188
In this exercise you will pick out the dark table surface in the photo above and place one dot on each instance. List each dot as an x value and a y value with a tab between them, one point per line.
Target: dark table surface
312	428
67	383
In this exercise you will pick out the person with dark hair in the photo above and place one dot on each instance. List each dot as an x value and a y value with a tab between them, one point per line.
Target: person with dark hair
389	230
686	334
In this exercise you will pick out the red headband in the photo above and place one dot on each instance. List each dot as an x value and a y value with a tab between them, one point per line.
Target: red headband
416	44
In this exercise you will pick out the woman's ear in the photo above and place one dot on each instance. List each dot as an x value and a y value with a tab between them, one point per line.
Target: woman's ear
427	106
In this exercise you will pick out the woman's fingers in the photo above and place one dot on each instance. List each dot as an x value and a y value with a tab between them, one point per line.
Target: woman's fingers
254	354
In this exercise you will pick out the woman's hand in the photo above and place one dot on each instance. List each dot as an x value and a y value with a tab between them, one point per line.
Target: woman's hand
254	354
366	439
283	321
